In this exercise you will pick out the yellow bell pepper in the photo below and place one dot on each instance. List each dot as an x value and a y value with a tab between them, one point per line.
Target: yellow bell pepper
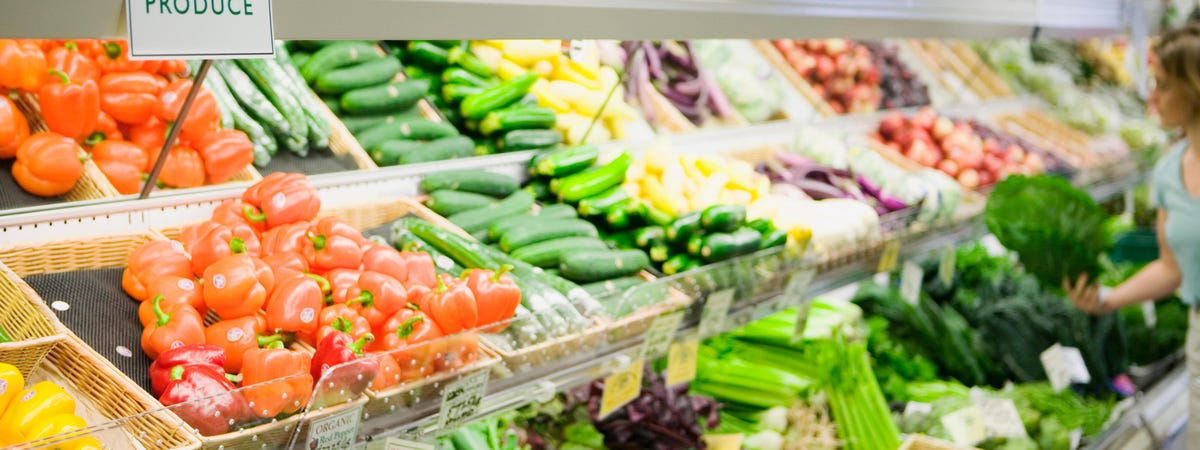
11	384
35	406
64	423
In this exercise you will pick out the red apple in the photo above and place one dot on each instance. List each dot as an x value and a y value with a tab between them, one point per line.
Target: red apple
904	136
992	163
815	45
825	67
1014	153
894	147
1034	163
785	45
942	128
969	178
916	150
890	123
924	118
986	178
991	146
870	75
948	167
970	159
818	90
834	47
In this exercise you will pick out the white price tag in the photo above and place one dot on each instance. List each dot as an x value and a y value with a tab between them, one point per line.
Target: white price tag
1076	436
1150	314
797	286
917	409
1000	418
712	318
582	51
802	311
1064	365
910	282
461	399
946	265
161	29
395	443
965	426
334	432
660	335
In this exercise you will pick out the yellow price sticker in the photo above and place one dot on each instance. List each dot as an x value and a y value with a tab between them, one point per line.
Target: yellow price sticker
724	441
891	254
681	361
621	388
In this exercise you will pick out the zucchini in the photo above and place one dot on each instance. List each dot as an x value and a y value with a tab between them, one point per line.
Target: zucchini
654	215
649	235
622	239
540	190
659	253
360	75
722	246
336	56
451	147
480	219
773	238
449	202
595	265
566	161
695	244
601	289
617	217
253	99
427	54
455	93
598	204
544	231
497	97
462	57
409	130
592	181
549	253
762	225
271	79
385	98
503	226
520	140
528	118
455	75
357	124
683	228
722	218
477	181
678	264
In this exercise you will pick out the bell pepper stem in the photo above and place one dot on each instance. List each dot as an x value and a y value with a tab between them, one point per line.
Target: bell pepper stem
112	50
318	241
357	346
410	247
504	268
252	215
237	245
366	299
177	373
233	378
342	324
70	45
441	288
62	76
326	288
413	306
94	138
163	317
406	329
266	341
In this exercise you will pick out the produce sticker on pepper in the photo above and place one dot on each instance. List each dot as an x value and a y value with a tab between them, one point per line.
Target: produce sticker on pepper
213	29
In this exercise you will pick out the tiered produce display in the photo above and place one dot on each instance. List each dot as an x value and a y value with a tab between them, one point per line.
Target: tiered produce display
284	309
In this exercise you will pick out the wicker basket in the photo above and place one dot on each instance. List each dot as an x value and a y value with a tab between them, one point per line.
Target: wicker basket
27	321
923	442
93	184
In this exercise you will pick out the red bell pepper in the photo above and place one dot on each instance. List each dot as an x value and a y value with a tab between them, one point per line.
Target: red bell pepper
295	304
236	336
22	65
183	327
333	244
209	241
340	348
225	153
204	116
284	198
287	238
453	307
174	290
410	337
204	398
231	212
130	97
150	260
276	380
189	355
70	107
376	297
496	295
72	62
237	285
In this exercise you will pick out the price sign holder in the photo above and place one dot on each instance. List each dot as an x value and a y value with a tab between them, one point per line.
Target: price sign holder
890	256
681	361
335	432
461	399
660	334
716	308
946	265
911	278
965	426
1064	365
621	388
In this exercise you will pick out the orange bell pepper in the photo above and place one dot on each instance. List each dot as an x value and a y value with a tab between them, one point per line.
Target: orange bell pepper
48	164
70	107
236	336
289	238
237	285
231	212
333	244
183	168
225	153
22	65
376	297
295	304
410	337
496	295
130	97
175	67
151	260
388	374
106	128
284	262
213	241
276	380
453	307
14	129
170	330
122	163
457	351
203	117
150	137
284	198
341	319
116	58
68	59
168	305
174	290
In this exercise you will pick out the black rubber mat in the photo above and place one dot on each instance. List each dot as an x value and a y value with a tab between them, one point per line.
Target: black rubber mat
317	162
11	194
101	314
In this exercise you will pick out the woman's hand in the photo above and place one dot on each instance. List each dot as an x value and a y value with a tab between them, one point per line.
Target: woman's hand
1085	296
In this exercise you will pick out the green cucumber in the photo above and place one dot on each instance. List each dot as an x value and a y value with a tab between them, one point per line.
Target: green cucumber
722	246
592	181
678	264
595	265
502	226
683	228
403	239
567	161
427	54
410	130
557	210
694	244
654	215
762	225
264	143
299	58
722	218
336	56
601	289
497	97
659	252
623	239
333	103
470	180
455	93
360	75
388	153
549	253
528	118
357	124
649	235
450	147
463	57
617	217
480	219
596	205
319	127
455	75
544	231
773	238
253	99
520	140
449	202
385	98
270	77
540	190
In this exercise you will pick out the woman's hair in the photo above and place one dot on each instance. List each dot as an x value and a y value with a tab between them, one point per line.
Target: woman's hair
1178	53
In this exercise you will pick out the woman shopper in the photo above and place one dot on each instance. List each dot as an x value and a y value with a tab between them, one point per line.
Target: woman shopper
1175	191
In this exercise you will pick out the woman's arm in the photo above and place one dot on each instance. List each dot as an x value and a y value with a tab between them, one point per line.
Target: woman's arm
1155	281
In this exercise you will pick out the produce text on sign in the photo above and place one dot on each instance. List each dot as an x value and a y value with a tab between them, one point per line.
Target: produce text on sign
194	29
200	7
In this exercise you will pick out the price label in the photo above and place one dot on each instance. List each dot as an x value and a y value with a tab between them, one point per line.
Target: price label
802	311
621	388
1000	418
965	426
660	334
335	432
917	409
910	282
184	29
681	361
732	441
891	254
716	308
461	399
1149	314
1064	365
797	286
395	443
1076	436
946	265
